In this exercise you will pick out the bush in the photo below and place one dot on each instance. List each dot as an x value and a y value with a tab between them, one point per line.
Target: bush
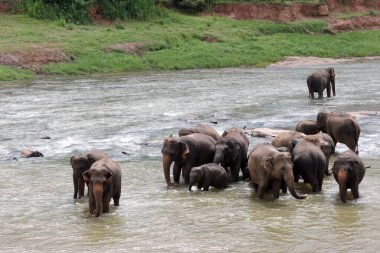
77	11
193	5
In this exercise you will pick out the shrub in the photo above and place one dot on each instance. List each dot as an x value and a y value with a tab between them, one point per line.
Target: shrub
193	5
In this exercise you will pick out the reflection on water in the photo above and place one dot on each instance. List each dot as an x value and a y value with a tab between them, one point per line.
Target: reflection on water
133	114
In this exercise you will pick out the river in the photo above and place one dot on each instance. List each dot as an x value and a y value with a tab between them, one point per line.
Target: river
133	114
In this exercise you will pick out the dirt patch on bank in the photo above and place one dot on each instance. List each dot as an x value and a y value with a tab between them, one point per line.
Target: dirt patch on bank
135	48
34	58
5	7
296	61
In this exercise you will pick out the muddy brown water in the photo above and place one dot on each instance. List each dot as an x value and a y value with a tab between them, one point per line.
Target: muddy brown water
133	114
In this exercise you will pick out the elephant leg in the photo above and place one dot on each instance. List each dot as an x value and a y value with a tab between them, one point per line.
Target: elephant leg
351	144
311	94
81	187
106	204
284	186
116	199
255	187
355	191
235	170
262	189
186	174
276	189
176	172
328	88
320	94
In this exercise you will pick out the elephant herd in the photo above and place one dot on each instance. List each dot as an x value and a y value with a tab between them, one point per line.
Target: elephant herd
206	158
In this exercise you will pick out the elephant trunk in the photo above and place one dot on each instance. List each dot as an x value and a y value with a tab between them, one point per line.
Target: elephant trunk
191	185
166	162
219	157
289	179
98	193
342	181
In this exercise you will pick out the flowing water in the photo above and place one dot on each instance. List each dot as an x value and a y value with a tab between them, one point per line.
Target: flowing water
133	114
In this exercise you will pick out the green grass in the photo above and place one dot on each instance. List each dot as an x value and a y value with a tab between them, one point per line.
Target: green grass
176	43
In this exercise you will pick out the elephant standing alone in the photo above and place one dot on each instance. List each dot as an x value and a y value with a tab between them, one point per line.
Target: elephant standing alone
320	80
348	171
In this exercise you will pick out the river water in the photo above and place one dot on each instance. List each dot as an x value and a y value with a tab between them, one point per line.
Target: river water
133	114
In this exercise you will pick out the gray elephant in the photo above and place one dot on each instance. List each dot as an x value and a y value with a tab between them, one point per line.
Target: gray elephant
307	126
104	183
202	129
231	152
320	80
348	171
81	163
207	175
309	162
341	127
187	152
268	168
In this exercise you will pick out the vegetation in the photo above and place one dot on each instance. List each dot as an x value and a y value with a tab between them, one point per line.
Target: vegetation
176	41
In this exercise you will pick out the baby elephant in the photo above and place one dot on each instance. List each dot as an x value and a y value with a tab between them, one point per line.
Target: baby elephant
207	175
348	171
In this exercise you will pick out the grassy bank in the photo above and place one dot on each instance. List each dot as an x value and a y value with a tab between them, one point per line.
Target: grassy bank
176	42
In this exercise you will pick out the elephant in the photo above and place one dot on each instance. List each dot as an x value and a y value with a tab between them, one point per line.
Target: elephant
320	80
203	129
307	126
231	151
348	170
341	127
104	183
309	162
207	175
269	167
284	139
187	152
80	164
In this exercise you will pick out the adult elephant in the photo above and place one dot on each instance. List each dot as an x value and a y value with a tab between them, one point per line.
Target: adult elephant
268	168
202	129
307	126
348	171
320	80
104	183
81	163
187	152
341	127
231	152
309	162
284	139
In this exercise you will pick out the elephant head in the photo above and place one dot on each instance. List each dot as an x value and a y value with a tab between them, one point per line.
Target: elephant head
226	151
98	179
331	72
281	167
173	150
80	164
196	177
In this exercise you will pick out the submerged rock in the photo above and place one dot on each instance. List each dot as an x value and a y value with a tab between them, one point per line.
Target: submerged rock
26	153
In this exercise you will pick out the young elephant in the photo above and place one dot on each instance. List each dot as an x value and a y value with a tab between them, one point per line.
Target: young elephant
207	175
320	80
348	171
81	163
309	162
186	152
231	151
269	167
104	183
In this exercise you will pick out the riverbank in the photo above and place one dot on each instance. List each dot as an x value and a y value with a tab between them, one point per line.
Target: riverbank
30	47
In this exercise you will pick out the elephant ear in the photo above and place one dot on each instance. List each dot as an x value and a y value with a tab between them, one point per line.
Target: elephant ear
269	163
86	176
108	175
71	160
184	149
90	159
